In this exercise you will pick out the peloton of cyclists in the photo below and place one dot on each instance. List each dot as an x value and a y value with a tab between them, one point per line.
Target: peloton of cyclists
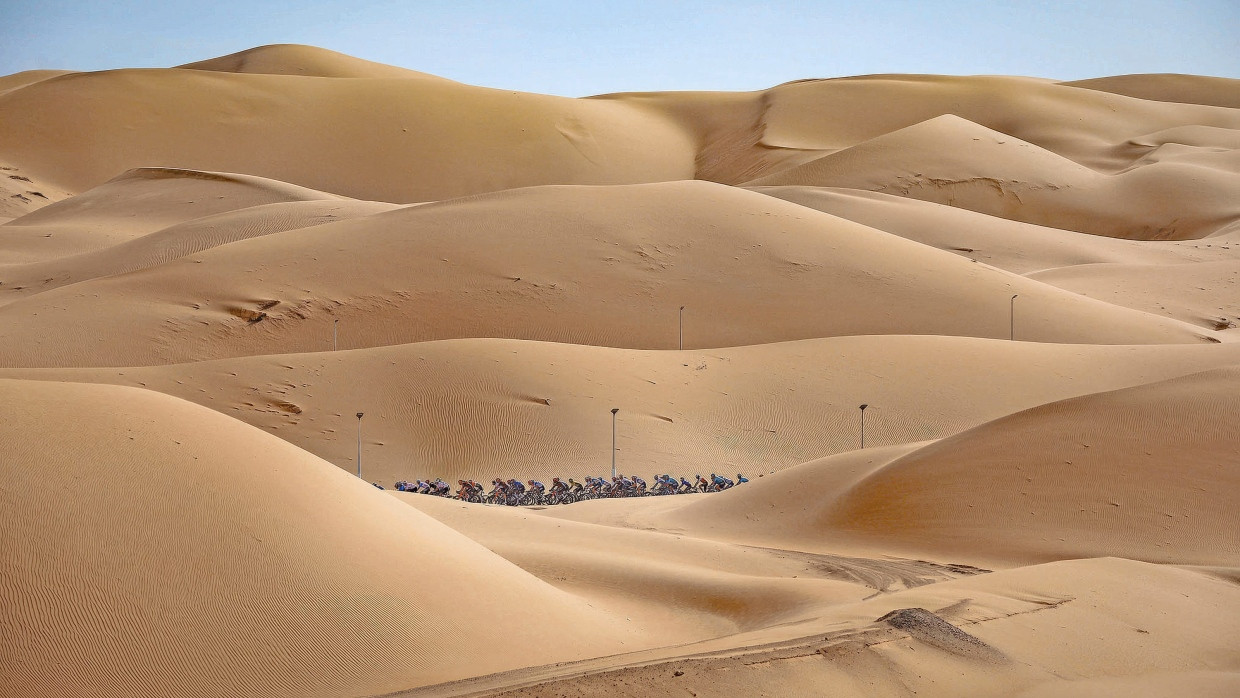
564	491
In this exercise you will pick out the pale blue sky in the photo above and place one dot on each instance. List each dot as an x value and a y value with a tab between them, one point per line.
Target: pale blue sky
582	48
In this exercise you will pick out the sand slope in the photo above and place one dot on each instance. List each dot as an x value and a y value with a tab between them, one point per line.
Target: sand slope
151	216
588	265
954	161
1147	473
16	81
1017	247
487	408
387	139
1206	294
1119	627
21	193
1169	87
308	61
136	203
358	132
744	136
152	546
1142	472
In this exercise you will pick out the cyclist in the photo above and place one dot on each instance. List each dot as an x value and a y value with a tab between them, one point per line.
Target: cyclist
499	490
741	479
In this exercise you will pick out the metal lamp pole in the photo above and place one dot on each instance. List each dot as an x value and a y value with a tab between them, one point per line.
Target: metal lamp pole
1012	319
863	425
335	324
682	328
614	410
359	444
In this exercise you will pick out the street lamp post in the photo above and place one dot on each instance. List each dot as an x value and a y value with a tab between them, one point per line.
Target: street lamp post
682	328
335	324
614	410
359	444
863	425
1012	319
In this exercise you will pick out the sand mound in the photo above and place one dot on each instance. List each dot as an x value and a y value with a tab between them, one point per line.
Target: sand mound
483	408
248	112
295	59
155	547
746	136
1142	472
383	139
1186	292
136	203
1148	473
176	241
1169	87
1017	247
950	160
586	265
16	81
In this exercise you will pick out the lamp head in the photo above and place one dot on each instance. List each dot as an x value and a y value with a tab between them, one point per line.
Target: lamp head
359	415
615	410
863	407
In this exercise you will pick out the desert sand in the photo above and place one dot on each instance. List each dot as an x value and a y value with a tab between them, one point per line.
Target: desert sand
207	270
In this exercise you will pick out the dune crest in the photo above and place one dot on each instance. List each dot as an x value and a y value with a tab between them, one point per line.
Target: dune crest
1169	87
953	161
309	61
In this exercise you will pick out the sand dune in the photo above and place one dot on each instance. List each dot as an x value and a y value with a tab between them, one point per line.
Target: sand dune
137	203
175	241
1017	247
950	160
468	140
16	81
588	265
1098	482
385	139
486	408
746	136
1186	292
1141	472
256	568
308	61
1169	87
